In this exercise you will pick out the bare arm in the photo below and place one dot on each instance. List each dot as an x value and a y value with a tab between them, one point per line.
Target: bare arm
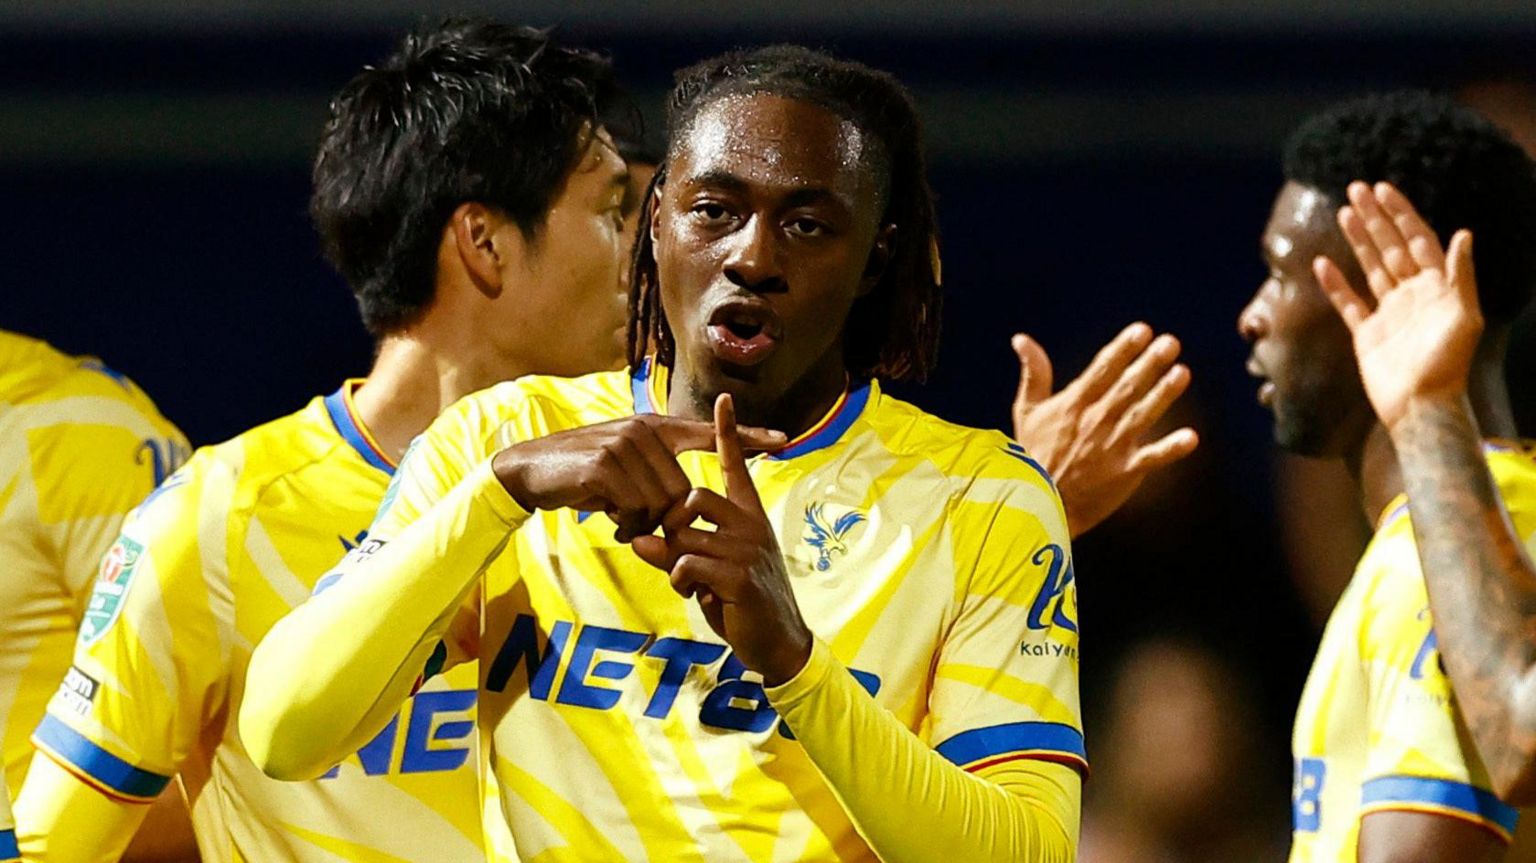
1415	351
1482	588
1413	837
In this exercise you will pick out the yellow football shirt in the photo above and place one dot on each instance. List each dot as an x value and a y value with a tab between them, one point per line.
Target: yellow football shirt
1377	728
931	561
79	446
201	571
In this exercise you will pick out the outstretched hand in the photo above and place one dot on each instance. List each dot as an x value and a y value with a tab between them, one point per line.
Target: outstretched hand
1419	340
1090	435
736	571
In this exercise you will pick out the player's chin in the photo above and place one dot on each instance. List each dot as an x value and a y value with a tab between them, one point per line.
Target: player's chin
747	386
1298	435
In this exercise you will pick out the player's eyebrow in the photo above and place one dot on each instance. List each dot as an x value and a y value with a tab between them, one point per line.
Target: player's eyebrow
798	196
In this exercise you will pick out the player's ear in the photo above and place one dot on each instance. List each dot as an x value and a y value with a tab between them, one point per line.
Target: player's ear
655	204
480	244
879	259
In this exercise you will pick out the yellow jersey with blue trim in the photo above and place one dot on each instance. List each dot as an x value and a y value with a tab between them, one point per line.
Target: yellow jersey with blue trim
202	569
80	445
1378	728
931	561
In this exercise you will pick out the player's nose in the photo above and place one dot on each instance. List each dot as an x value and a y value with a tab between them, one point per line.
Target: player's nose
1252	323
754	262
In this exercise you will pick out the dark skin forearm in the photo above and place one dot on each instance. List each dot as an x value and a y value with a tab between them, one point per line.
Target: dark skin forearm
1482	587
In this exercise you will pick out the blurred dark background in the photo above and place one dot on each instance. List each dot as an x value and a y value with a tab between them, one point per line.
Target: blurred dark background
1096	165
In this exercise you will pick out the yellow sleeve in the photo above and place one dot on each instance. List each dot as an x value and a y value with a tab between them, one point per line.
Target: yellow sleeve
8	850
69	821
332	673
1002	783
153	647
1420	756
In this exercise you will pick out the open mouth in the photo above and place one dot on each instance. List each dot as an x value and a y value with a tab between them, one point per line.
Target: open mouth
744	332
1266	394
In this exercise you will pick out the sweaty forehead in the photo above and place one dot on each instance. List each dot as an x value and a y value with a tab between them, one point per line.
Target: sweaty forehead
1302	224
775	141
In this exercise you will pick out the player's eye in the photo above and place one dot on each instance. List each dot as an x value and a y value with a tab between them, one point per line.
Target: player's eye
807	227
711	212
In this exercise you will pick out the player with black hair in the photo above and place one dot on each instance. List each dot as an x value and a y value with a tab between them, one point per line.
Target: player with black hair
861	643
469	193
1430	342
1384	768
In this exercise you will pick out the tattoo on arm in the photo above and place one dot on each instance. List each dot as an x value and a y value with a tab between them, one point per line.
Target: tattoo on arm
1482	588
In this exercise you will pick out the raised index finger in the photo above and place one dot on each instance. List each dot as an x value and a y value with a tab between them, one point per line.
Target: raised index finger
733	466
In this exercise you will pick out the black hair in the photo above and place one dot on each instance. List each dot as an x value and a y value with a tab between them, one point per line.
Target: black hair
467	110
893	331
1457	168
632	136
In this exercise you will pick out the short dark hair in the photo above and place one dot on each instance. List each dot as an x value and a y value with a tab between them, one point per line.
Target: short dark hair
1458	169
893	331
467	110
637	143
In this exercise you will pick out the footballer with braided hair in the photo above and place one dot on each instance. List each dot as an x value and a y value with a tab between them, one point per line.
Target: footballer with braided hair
841	630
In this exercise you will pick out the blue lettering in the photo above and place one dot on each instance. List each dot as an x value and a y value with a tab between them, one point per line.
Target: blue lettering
164	457
523	641
1306	794
419	756
1058	577
1426	650
574	689
681	655
721	710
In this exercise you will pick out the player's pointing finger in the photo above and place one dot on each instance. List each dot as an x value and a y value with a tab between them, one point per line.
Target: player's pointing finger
733	466
682	435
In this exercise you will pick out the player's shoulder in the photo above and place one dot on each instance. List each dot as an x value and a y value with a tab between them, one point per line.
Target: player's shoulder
961	453
1387	590
1513	465
34	373
232	474
545	403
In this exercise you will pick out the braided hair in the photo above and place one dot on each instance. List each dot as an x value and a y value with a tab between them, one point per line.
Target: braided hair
892	331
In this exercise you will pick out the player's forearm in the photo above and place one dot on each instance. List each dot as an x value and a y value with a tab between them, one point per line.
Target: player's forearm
1482	588
61	819
909	802
332	672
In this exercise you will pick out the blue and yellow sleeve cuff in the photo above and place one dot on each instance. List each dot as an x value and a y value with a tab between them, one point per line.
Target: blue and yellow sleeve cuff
980	748
96	766
1440	797
8	849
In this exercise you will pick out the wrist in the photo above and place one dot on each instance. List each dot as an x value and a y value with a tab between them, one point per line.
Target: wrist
789	661
1428	408
509	471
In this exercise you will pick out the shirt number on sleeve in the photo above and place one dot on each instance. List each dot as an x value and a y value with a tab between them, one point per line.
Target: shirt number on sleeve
1306	805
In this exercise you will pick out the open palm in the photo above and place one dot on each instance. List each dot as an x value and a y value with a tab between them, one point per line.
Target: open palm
1419	340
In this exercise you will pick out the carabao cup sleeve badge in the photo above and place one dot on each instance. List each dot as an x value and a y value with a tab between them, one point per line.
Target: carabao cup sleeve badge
106	601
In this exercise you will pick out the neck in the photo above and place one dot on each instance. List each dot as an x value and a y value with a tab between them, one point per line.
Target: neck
1373	464
415	377
1487	390
793	412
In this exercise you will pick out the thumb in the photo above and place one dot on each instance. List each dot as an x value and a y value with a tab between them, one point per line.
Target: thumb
653	550
1035	373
